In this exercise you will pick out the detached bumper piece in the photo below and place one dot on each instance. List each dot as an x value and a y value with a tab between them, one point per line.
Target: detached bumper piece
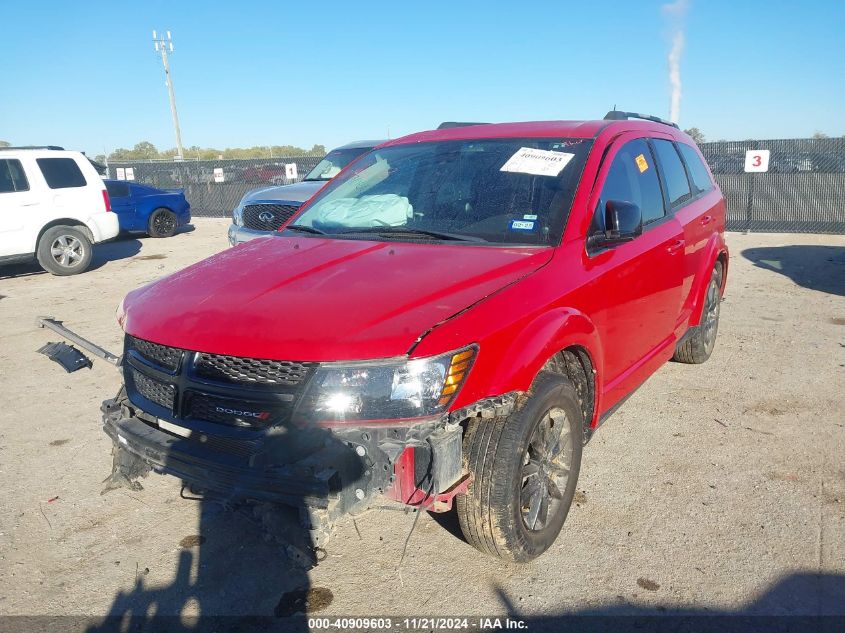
66	355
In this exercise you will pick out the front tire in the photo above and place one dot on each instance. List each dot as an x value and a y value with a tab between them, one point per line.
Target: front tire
162	223
698	346
525	468
64	250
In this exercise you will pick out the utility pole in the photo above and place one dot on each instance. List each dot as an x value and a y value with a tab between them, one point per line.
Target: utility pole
162	45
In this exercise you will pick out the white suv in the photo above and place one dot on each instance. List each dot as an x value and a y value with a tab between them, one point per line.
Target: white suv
53	206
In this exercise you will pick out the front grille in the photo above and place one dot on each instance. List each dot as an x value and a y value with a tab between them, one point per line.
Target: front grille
163	394
251	371
225	411
267	217
234	446
162	355
200	385
240	448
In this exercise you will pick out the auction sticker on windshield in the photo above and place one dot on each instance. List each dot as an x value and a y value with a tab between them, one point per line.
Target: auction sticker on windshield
539	162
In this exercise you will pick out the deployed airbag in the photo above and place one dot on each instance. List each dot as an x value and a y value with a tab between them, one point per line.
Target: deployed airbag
377	210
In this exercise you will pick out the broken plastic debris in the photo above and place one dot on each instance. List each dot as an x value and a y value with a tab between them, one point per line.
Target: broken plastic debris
66	355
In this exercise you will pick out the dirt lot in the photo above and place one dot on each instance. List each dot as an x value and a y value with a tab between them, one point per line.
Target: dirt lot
715	488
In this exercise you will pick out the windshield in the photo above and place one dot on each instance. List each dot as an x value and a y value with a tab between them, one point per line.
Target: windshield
334	161
512	191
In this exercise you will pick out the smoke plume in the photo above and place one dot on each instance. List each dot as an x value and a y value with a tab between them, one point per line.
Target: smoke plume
674	13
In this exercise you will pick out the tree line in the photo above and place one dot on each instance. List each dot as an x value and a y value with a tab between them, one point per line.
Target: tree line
147	151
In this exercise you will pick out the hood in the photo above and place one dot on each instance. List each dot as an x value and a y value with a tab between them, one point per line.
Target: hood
297	192
314	299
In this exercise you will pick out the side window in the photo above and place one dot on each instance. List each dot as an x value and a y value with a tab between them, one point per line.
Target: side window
12	176
697	171
633	178
117	189
61	173
677	185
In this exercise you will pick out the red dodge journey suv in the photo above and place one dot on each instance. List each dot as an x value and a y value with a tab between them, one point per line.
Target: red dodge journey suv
450	319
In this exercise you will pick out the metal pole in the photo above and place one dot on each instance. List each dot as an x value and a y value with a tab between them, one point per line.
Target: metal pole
162	45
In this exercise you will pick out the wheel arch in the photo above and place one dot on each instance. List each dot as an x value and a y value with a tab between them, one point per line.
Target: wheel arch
716	251
75	223
563	341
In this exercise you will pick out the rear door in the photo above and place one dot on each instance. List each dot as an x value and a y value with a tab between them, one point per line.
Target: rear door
637	285
70	192
18	202
688	184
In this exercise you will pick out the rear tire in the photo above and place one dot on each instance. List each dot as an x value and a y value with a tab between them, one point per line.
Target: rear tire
162	223
64	250
698	346
525	469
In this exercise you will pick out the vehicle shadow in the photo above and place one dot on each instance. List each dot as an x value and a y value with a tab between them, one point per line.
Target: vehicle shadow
245	569
798	603
113	251
140	235
812	266
103	253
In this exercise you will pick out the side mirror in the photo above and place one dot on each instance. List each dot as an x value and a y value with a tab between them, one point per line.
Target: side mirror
623	221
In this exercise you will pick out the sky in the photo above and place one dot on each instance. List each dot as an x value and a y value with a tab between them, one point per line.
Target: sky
303	73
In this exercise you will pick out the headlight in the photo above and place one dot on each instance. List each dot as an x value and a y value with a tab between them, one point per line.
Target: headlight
381	390
238	214
120	313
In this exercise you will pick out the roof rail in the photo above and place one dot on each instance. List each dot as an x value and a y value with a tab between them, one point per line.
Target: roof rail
450	124
35	147
619	115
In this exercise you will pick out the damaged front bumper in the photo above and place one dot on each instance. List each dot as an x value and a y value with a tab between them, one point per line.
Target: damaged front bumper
325	473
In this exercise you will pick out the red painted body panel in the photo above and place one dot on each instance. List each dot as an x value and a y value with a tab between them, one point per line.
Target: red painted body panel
314	299
311	299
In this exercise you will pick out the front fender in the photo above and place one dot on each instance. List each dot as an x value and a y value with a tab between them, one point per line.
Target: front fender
510	358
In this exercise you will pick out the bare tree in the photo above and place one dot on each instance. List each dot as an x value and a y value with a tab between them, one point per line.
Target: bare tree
819	135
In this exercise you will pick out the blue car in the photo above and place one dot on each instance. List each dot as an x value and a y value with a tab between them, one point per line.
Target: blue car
145	209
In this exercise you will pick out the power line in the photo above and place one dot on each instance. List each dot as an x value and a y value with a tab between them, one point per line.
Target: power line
164	45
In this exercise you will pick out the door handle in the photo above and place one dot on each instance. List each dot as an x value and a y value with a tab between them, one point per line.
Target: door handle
707	219
675	247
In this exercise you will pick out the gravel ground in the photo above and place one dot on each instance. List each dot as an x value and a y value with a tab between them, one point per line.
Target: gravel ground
716	488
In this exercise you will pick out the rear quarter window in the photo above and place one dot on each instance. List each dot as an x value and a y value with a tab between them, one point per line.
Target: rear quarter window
61	173
117	189
677	185
697	171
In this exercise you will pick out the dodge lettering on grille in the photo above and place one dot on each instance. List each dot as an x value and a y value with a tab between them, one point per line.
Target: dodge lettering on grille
260	415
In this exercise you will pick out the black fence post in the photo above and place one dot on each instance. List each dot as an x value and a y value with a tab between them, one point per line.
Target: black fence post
750	176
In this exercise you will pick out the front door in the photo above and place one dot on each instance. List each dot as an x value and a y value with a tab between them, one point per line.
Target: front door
122	204
638	283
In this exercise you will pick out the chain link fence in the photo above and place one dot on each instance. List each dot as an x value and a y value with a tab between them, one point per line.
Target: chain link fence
207	195
802	192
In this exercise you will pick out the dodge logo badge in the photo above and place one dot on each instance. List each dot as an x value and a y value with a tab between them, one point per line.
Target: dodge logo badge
266	216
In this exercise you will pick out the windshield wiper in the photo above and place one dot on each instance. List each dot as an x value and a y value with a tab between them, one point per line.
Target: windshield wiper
406	230
304	228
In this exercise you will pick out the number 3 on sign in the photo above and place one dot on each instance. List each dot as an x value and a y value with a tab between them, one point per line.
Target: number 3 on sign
757	160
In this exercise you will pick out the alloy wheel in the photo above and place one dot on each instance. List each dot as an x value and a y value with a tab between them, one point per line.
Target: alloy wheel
67	251
546	470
